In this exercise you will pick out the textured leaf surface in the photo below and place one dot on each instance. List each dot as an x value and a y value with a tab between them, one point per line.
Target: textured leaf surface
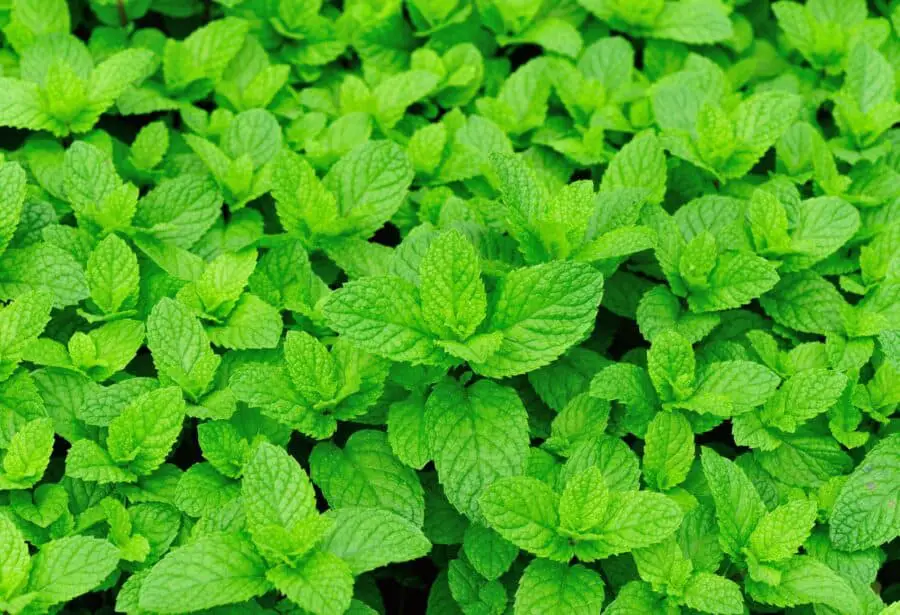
478	435
553	587
368	538
215	570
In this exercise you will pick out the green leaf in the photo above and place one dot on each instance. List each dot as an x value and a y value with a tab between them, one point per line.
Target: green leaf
370	184
635	597
472	592
12	200
14	557
108	349
805	459
142	436
561	304
28	455
284	279
660	310
397	92
803	396
478	435
21	105
201	491
180	347
865	512
368	538
641	163
552	587
407	432
453	297
782	531
252	324
214	570
204	54
668	450
43	267
254	133
733	387
276	490
524	511
711	593
150	146
21	322
739	508
805	302
869	79
103	404
553	34
633	519
698	22
180	210
111	77
821	227
223	447
736	279
584	501
581	420
664	565
313	370
32	18
322	584
671	365
365	473
66	568
570	375
88	461
112	275
805	580
223	280
488	552
615	460
762	118
382	316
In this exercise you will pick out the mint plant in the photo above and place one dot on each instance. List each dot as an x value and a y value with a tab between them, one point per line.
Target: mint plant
454	307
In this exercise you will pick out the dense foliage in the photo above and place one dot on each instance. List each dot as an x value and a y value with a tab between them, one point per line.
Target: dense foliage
480	307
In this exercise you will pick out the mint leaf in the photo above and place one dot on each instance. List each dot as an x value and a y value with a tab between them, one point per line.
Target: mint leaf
489	553
711	593
66	568
269	476
863	514
112	275
564	295
368	538
584	501
180	347
739	508
548	587
383	316
781	532
804	580
736	279
143	434
453	297
322	584
668	450
633	519
214	570
524	511
478	435
27	455
366	474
